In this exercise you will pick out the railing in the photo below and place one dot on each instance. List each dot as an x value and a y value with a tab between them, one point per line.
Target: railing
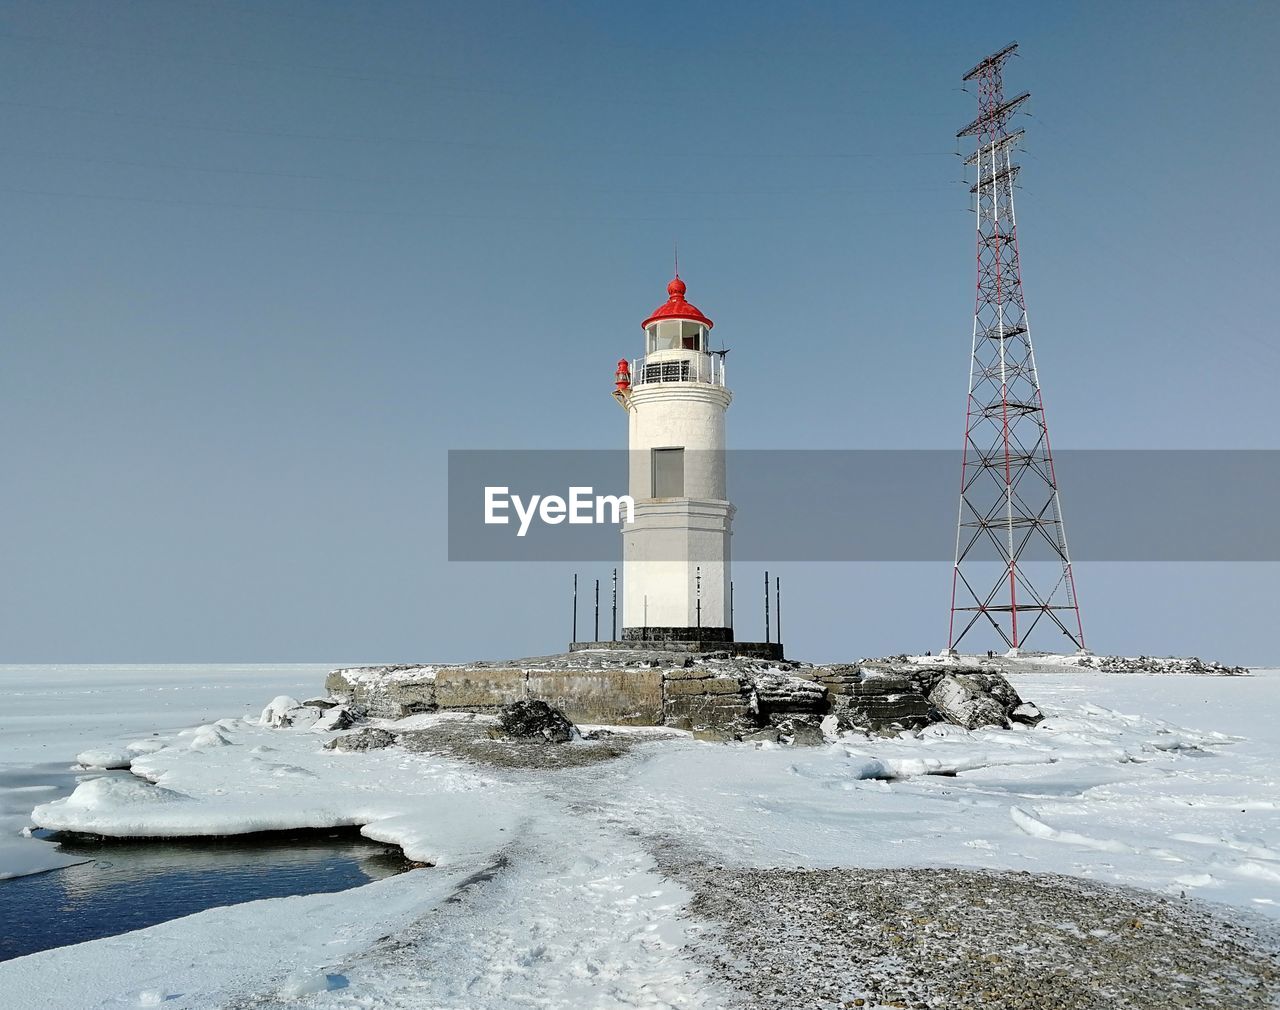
695	367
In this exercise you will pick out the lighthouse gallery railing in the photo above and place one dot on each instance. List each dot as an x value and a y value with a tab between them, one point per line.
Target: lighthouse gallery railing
707	368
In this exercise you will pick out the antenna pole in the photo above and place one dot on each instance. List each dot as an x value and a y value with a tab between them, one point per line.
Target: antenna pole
777	605
766	607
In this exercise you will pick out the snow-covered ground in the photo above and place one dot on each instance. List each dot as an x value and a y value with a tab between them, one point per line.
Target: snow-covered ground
1163	782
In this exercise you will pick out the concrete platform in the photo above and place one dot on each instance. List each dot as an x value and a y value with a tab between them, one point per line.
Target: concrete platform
750	650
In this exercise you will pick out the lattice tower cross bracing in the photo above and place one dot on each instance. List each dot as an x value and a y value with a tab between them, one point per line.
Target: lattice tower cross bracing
1010	511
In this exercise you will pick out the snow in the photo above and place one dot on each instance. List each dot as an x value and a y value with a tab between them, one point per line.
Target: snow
386	674
1096	790
277	711
105	759
543	892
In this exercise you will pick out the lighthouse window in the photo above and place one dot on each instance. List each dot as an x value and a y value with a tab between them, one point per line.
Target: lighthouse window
691	336
653	337
668	336
668	473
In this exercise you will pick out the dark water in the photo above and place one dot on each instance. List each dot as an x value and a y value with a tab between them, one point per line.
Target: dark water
127	885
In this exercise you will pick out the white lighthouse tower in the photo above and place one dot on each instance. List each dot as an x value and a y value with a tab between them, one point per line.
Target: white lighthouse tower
675	554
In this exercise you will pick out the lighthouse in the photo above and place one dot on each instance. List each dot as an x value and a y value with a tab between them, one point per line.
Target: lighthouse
675	554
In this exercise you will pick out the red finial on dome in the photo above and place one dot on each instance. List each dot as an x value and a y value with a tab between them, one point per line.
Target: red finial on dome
675	307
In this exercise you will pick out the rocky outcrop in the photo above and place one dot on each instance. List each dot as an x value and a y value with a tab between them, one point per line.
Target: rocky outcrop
335	718
1162	664
386	692
781	691
874	699
965	701
800	731
535	720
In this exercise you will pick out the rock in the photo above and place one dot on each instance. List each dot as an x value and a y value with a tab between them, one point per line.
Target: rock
881	699
769	735
1163	664
535	720
775	691
1027	714
365	739
320	703
995	685
337	717
961	700
800	732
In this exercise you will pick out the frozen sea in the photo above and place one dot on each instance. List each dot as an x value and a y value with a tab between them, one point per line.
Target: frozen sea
1170	783
53	712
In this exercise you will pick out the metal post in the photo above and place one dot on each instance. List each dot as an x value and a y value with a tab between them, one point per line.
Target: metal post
777	605
613	632
766	607
730	604
697	586
597	631
575	606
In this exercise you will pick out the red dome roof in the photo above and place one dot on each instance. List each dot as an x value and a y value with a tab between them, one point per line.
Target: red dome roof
675	307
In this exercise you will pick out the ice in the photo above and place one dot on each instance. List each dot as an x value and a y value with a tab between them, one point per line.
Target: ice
302	983
51	713
107	759
233	788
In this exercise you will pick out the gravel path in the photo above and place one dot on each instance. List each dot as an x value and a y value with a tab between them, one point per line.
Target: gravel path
927	938
471	740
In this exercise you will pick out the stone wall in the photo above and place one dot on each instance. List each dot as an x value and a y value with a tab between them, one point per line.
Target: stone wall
712	692
616	697
699	698
621	697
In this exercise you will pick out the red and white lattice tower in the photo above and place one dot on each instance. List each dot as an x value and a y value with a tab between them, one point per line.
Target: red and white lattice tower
1010	513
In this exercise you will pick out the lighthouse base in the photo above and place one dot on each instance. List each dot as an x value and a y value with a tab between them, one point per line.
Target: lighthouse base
677	635
752	650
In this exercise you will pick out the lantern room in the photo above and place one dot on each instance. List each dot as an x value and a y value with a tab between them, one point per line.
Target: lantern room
677	325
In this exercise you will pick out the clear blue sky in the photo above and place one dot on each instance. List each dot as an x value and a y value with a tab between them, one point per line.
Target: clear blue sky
265	264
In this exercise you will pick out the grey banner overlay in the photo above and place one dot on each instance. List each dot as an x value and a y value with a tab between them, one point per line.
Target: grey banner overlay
894	505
